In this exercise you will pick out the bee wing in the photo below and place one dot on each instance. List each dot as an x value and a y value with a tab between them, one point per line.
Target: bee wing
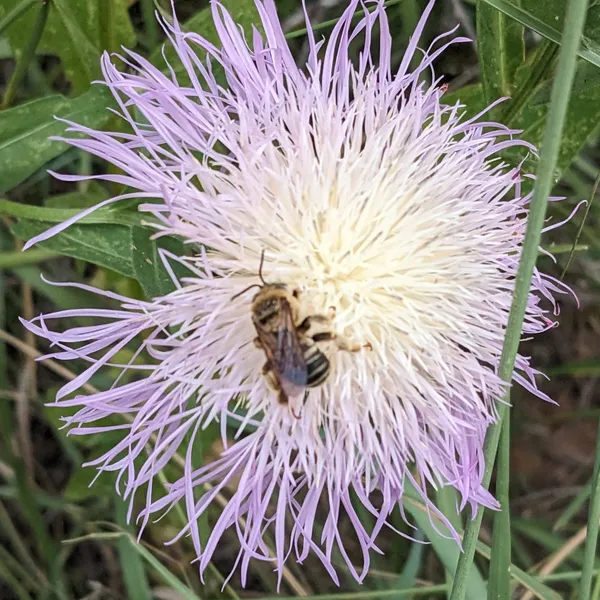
289	356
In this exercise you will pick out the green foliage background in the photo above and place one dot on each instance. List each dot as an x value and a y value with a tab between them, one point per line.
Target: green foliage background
61	538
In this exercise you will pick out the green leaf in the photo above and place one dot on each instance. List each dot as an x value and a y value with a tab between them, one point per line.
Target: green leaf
104	215
20	8
546	17
582	117
79	486
447	550
543	592
74	32
161	571
501	49
412	564
24	131
243	12
134	574
102	245
147	264
94	194
471	96
535	222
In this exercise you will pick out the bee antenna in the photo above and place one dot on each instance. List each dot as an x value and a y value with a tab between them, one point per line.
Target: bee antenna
245	290
262	260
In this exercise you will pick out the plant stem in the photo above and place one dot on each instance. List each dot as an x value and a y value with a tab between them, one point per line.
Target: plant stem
561	90
591	539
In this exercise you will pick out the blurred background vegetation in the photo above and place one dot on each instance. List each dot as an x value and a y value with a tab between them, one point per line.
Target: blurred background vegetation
61	538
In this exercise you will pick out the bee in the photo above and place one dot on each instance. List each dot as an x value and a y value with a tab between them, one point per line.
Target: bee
294	360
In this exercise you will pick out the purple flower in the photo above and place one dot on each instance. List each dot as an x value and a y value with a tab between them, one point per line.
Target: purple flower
368	194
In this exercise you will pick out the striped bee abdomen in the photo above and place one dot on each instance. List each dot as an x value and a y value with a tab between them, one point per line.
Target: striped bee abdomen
317	365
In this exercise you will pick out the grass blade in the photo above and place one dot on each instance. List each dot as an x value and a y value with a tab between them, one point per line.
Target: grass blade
134	575
412	565
447	550
573	508
561	90
592	529
587	52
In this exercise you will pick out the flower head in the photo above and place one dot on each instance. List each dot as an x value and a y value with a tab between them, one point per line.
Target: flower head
366	193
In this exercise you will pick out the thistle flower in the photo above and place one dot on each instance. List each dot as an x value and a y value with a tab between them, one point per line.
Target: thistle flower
366	193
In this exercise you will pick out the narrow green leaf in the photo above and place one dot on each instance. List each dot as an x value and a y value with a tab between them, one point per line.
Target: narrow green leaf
25	129
575	505
576	12
531	582
134	574
591	539
83	49
33	39
10	260
428	591
447	550
582	117
499	580
160	570
58	215
547	24
74	33
20	9
102	245
13	583
147	264
543	592
501	50
412	564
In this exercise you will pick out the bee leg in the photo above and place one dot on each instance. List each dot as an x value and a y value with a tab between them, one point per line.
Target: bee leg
340	341
345	344
267	368
323	336
308	321
257	342
293	411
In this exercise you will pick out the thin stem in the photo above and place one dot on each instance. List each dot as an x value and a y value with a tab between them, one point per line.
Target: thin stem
28	54
499	584
561	90
10	260
592	529
581	225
